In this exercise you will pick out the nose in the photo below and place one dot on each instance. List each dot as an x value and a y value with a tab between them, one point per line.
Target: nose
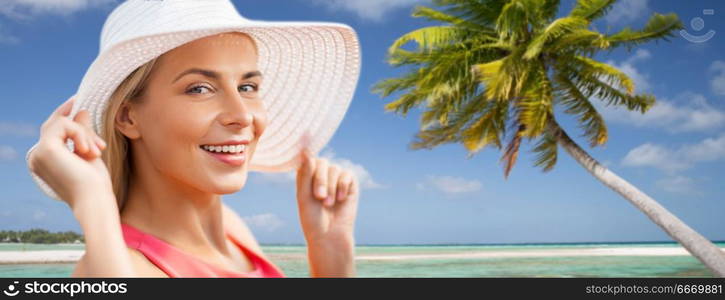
235	112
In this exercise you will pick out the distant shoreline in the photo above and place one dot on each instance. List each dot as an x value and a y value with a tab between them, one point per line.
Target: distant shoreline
444	244
72	256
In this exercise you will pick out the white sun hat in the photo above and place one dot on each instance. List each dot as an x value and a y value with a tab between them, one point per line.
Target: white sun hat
310	69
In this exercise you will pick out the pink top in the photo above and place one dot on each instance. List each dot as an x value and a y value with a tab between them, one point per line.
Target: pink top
176	263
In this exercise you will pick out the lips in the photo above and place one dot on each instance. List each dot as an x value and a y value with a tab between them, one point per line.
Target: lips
225	148
233	154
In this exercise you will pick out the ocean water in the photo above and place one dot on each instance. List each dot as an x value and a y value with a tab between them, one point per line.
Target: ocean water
292	260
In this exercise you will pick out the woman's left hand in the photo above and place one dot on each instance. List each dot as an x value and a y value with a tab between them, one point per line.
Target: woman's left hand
327	198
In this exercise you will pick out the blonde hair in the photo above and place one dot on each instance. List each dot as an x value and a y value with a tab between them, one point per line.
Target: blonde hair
117	156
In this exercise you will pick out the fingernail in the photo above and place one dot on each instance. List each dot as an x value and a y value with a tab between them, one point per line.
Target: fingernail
321	191
340	194
328	201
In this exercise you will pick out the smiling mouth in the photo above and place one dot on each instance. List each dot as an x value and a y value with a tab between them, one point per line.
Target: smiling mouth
233	155
226	149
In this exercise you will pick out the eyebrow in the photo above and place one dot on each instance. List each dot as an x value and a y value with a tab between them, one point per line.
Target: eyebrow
214	75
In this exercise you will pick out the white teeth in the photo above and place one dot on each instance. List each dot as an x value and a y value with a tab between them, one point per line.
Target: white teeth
226	148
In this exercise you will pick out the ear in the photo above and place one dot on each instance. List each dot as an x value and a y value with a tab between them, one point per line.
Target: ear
126	121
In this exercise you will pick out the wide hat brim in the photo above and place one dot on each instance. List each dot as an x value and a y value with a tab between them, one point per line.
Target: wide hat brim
310	70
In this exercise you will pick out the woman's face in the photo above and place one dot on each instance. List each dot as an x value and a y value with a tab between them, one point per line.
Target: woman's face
200	95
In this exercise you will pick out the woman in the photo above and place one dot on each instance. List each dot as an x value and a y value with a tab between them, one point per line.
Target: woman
151	158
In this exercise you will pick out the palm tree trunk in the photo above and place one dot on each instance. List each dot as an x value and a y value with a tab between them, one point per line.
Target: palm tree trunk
704	250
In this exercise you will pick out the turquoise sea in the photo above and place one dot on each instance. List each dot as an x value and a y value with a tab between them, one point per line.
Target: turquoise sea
292	261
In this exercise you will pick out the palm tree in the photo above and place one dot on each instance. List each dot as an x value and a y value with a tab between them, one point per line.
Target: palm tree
495	70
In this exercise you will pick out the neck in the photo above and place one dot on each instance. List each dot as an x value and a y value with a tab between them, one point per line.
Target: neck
174	212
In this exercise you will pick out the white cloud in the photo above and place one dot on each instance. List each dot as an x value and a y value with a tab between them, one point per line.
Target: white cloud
27	9
268	221
627	11
710	149
18	129
363	176
650	155
373	10
641	81
279	177
7	153
690	112
365	180
450	185
717	83
677	184
674	160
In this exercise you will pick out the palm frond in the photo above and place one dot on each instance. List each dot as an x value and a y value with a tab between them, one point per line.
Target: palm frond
591	10
506	77
512	23
430	38
512	150
536	105
659	27
577	104
436	15
437	133
484	12
548	9
579	41
555	30
593	86
547	151
592	68
486	129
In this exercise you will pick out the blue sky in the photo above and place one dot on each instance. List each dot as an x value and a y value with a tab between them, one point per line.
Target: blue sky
675	152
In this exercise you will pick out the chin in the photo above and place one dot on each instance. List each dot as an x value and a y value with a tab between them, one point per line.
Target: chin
228	185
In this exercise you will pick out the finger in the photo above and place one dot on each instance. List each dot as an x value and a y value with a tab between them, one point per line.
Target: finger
83	119
353	189
61	111
100	142
304	149
343	185
65	108
333	174
76	132
320	181
306	165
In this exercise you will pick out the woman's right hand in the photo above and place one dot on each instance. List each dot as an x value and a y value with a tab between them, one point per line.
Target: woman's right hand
70	174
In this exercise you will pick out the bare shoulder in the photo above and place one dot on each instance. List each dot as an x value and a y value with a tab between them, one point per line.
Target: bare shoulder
239	229
143	267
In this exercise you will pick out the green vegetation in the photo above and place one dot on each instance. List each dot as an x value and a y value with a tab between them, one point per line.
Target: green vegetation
39	236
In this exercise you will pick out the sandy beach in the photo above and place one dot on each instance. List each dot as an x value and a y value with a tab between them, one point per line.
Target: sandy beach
623	251
40	257
71	256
